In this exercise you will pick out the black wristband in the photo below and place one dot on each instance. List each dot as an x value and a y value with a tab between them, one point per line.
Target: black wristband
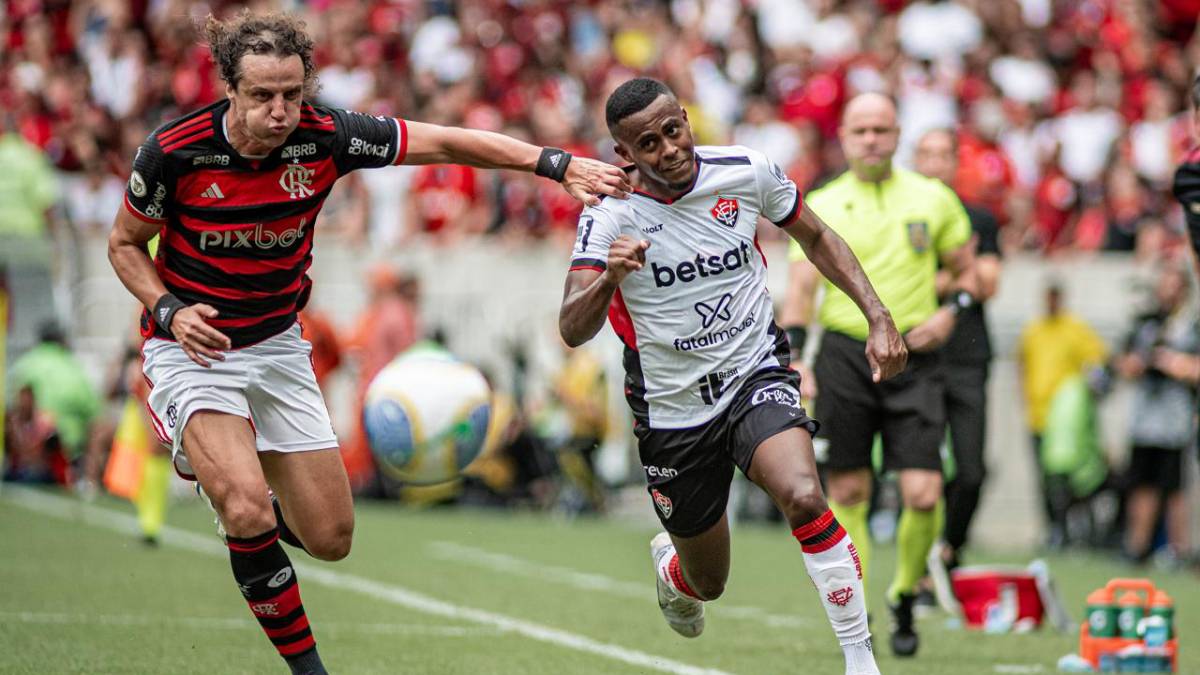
164	310
960	302
552	164
797	336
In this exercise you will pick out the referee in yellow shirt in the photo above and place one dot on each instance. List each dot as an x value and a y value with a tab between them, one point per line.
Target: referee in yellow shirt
900	225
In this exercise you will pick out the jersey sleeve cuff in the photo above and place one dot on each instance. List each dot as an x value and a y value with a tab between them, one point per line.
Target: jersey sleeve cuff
588	264
141	216
793	214
401	141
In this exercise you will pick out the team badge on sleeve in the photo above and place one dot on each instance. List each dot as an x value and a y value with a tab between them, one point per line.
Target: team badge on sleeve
725	211
136	184
662	501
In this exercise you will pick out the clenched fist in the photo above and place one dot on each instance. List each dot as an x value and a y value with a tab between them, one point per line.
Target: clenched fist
625	255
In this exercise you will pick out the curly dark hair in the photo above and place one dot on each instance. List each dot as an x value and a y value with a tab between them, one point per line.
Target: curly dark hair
277	34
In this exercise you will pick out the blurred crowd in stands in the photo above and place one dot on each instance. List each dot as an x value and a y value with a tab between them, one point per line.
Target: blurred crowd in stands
1070	113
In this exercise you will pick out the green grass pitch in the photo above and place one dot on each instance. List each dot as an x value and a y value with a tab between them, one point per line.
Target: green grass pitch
456	591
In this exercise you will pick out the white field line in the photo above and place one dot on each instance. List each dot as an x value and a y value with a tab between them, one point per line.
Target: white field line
1018	668
72	509
232	623
587	581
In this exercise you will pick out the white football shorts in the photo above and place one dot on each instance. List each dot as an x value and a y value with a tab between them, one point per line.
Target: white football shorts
271	383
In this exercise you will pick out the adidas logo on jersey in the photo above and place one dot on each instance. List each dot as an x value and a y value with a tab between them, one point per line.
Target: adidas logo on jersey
701	266
213	192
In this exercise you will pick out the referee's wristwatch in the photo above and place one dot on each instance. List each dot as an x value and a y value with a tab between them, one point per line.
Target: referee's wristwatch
960	302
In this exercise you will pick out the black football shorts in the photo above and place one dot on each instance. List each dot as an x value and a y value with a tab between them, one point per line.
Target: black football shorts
688	471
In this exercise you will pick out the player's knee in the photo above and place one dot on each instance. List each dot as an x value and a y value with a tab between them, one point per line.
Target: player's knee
849	488
803	502
334	544
922	500
245	515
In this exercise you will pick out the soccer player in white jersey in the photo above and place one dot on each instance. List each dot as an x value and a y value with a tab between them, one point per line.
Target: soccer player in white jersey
677	270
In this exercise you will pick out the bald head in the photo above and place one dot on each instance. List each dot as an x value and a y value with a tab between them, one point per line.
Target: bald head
869	103
869	135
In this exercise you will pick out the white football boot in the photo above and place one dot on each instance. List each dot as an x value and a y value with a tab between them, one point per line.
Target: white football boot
685	615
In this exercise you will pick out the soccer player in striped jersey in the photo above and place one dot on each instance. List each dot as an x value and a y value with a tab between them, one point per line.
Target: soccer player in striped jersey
677	270
234	189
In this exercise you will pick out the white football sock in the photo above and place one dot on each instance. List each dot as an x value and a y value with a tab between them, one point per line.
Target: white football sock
836	571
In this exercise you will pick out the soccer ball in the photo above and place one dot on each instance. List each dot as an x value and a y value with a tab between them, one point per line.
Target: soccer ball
426	416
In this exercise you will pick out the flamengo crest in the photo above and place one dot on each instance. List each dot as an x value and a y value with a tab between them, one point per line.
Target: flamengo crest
725	211
297	180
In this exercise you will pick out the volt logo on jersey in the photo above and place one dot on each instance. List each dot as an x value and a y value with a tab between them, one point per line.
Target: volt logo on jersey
711	310
725	211
701	266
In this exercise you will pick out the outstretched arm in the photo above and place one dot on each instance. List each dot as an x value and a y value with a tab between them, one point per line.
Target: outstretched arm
834	259
584	179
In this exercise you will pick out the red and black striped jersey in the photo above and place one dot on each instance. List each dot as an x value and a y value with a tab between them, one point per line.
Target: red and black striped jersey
237	232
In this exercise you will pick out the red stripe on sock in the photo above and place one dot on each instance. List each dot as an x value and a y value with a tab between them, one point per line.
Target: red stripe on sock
281	605
295	627
829	543
813	528
297	647
252	548
676	574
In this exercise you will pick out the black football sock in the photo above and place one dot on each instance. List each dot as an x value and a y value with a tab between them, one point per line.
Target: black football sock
267	581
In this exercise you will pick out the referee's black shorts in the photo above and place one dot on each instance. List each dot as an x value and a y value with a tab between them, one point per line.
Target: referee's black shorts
909	410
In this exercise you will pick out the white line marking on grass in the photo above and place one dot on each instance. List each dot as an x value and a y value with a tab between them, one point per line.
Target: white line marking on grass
502	562
1018	668
232	623
72	509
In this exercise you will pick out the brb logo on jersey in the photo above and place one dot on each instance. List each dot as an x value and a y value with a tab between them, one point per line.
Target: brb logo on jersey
255	237
297	181
725	211
701	266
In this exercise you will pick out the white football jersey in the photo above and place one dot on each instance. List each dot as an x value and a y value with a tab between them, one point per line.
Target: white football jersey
697	319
